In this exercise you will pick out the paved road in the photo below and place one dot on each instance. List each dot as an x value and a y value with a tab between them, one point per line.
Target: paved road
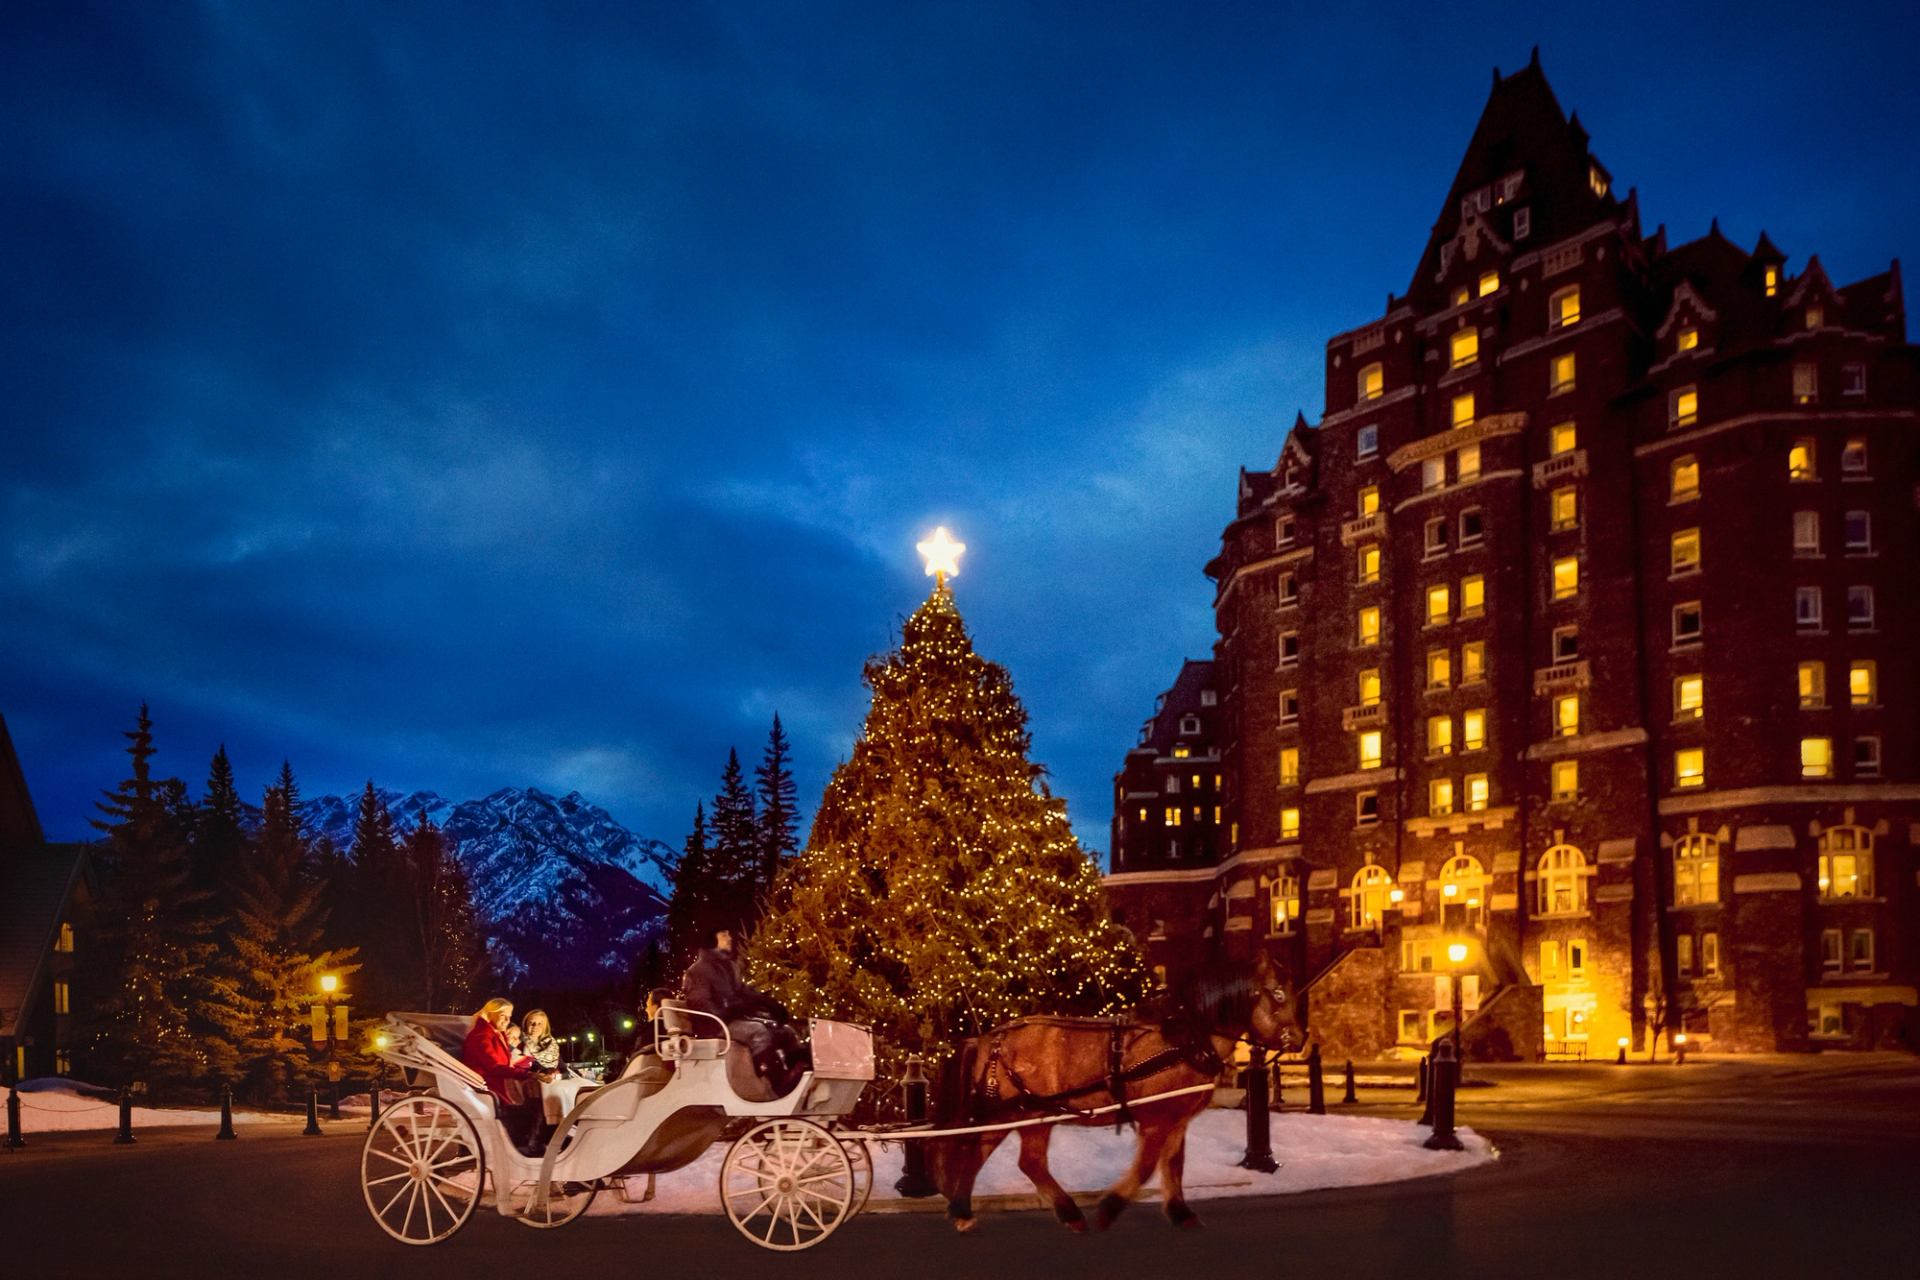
1728	1169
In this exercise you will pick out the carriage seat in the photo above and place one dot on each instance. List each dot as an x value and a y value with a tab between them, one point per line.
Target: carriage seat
747	1083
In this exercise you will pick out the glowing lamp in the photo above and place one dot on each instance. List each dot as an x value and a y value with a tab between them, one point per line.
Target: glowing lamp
942	554
1622	1042
626	1024
1396	894
1680	1037
1457	952
1451	890
380	1040
589	1037
329	982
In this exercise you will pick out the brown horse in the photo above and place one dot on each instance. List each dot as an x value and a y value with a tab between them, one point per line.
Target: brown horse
1069	1067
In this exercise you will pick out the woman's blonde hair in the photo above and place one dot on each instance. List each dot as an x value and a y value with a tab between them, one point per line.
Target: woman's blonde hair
527	1022
493	1009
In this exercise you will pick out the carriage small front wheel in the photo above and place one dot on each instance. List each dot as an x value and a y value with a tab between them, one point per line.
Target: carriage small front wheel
422	1170
787	1184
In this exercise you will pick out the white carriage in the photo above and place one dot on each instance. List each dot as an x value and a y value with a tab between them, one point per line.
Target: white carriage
787	1181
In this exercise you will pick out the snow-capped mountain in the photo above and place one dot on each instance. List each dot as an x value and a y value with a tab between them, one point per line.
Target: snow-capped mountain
571	897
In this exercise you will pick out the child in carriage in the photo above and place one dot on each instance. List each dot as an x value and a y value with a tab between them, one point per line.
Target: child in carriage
755	1020
510	1078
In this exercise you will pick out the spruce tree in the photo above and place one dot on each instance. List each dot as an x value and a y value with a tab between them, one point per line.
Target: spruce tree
446	927
690	912
373	908
736	850
779	805
942	891
220	839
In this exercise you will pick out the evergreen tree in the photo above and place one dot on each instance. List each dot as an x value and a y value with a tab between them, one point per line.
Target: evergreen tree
220	839
942	891
691	910
447	927
735	850
779	805
373	908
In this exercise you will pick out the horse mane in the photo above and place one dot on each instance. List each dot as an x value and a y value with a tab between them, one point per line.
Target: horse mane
1208	1000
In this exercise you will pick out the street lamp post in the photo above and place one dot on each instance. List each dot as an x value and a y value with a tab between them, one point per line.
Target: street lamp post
330	1013
1456	956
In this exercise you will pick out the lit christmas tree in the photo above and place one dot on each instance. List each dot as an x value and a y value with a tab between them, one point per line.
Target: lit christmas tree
942	891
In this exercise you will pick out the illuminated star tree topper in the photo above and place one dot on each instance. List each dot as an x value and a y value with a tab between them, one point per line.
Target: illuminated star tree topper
942	555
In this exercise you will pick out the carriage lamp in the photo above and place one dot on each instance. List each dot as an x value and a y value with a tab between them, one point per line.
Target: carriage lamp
381	1040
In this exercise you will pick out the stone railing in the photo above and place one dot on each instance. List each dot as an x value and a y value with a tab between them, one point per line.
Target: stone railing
1564	466
1362	528
1561	675
1370	716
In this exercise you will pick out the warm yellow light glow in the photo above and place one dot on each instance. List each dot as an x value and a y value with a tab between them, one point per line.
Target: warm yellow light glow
1450	890
1622	1042
942	554
1456	951
626	1024
381	1040
1396	895
589	1037
329	982
1679	1037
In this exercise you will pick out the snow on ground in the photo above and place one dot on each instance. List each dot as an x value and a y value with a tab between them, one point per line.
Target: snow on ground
59	1106
1314	1152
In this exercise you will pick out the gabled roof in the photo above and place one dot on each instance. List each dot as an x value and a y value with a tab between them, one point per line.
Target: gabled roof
36	890
19	825
1875	304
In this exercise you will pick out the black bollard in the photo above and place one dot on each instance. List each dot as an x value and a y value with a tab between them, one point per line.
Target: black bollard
226	1133
1420	1080
1446	1079
1259	1155
1349	1096
1430	1085
333	1104
1316	1085
914	1181
373	1096
125	1136
14	1140
313	1115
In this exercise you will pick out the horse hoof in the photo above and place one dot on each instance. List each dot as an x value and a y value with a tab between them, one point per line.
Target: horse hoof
1072	1219
1184	1218
1110	1207
964	1225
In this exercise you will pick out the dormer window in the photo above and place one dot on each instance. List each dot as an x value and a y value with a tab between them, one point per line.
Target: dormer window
1464	347
1563	308
1597	180
1688	339
1189	724
1771	279
1373	382
1489	283
1815	317
1462	296
1208	698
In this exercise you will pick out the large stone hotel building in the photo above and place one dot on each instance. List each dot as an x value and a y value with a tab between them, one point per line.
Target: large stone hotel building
1583	629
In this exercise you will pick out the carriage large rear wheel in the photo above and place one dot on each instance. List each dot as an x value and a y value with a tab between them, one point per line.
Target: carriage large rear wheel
787	1184
421	1170
565	1202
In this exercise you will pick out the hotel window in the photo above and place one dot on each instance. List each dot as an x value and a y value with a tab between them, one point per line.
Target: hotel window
1369	749
1686	622
1436	536
1710	954
1369	562
1563	308
1181	750
1831	960
1853	458
1800	461
1289	823
1566	715
1466	465
1770	279
1806	384
1860	954
1688	339
1473	523
1696	870
1439	604
1439	669
1522	223
1690	767
1285	899
1859	532
1863	685
1416	956
1462	411
1566	644
1812	683
1464	348
1289	766
1173	785
1477	792
1461	294
1289	649
1368	630
1439	735
1473	729
1807	613
1366	441
1143	813
1560	374
1846	862
62	997
1369	500
1683	551
1370	687
1208	698
1489	281
1566	578
1683	408
1462	882
63	941
1284	530
1473	662
1549	961
1689	697
1565	779
1563	508
1563	437
1369	897
1806	533
1289	706
1366	808
1683	479
1287	587
1373	381
1860	608
1816	757
1563	881
1853	379
1172	818
1683	955
1866	757
1597	180
1440	797
1815	317
1577	968
1473	596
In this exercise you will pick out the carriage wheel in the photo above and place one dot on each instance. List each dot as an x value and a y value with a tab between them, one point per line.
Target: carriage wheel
569	1201
787	1184
862	1161
421	1170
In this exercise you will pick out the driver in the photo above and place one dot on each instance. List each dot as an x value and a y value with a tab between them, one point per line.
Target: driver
756	1020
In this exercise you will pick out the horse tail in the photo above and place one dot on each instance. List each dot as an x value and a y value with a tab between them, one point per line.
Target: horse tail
954	1092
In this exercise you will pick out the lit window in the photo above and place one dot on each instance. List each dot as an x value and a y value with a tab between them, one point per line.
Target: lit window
1683	552
1771	279
1683	479
1860	608
1463	410
1143	813
1473	730
62	997
1686	622
1368	900
1566	577
1369	744
1439	669
1815	317
1473	524
1477	792
1289	823
1816	757
1369	500
1846	862
1853	458
1683	407
1690	767
1812	682
1368	629
1464	347
1566	780
1366	808
1560	374
1473	596
1439	604
1562	881
1289	766
1563	437
1440	797
1563	506
1369	562
1489	282
1467	463
1859	531
1800	461
1473	662
1806	533
63	941
1683	955
1172	817
1366	441
1549	961
1696	870
1688	339
1710	954
1181	751
1285	897
1563	308
1863	684
1597	180
1866	757
1373	381
1462	885
1461	294
1173	785
1289	706
1689	697
1566	715
1289	649
1370	687
1806	383
1439	735
1853	379
1433	474
1807	613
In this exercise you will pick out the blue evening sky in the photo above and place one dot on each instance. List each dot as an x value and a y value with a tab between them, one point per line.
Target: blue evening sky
471	395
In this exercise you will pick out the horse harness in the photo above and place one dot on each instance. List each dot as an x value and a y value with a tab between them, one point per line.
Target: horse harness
1200	1056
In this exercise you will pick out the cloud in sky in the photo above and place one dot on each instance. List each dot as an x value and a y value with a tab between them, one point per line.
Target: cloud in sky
478	395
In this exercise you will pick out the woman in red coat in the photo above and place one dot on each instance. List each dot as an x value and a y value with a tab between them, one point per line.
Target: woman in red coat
515	1087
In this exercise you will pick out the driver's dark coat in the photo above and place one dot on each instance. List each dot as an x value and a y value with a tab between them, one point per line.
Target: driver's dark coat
713	985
